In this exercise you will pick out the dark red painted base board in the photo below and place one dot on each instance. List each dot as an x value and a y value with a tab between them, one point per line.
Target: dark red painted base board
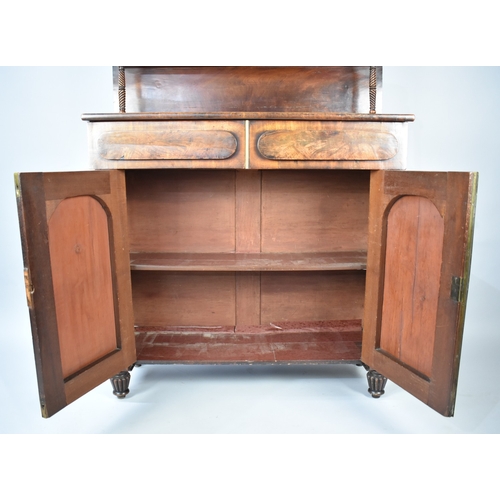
312	342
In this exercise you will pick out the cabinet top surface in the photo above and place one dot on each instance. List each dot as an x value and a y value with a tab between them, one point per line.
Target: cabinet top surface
248	115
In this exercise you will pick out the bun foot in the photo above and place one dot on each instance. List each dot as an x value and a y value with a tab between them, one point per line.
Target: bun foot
120	383
376	383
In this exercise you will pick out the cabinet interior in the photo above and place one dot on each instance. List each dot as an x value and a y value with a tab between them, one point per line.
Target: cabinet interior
271	263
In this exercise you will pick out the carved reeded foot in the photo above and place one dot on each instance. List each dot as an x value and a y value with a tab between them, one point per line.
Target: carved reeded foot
120	383
376	383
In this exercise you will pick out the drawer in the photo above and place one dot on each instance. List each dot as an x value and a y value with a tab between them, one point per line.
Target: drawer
328	144
167	144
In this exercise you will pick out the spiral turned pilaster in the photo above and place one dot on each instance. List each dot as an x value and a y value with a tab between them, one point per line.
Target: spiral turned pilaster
121	88
373	89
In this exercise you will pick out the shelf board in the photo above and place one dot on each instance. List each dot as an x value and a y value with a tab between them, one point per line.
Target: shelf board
308	343
331	261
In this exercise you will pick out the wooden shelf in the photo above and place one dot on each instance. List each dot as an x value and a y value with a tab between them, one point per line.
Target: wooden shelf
306	342
331	261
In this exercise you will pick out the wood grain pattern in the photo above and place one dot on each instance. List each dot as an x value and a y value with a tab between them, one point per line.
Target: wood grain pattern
452	194
36	259
203	212
311	296
248	211
247	298
177	218
133	144
324	145
336	144
183	298
314	211
220	143
181	210
83	283
168	145
247	88
60	185
215	298
325	261
247	239
304	342
411	282
41	195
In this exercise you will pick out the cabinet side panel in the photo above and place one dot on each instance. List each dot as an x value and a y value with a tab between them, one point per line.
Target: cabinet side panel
82	280
411	285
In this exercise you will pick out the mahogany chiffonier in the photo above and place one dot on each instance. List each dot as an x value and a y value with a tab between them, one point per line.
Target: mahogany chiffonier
247	215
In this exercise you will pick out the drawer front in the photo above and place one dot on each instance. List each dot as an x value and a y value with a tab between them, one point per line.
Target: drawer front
327	144
167	144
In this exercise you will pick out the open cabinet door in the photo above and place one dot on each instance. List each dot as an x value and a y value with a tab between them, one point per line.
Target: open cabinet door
419	250
77	273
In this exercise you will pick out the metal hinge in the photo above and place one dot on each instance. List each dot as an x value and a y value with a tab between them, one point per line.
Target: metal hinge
29	288
457	288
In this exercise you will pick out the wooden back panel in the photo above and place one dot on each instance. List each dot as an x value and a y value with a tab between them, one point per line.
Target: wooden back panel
199	89
281	211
